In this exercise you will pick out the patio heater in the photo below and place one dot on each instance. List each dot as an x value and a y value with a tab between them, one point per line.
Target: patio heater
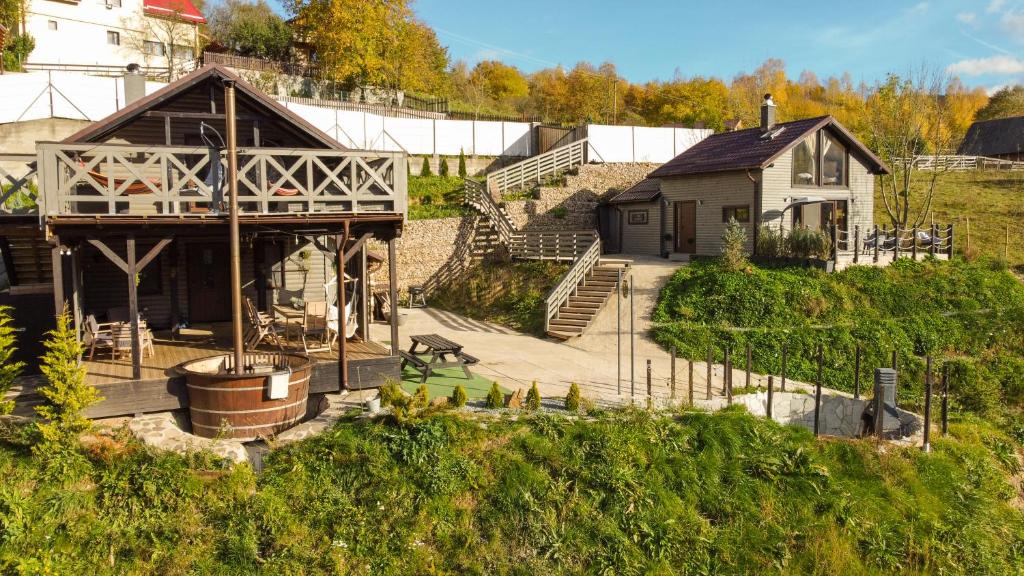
236	249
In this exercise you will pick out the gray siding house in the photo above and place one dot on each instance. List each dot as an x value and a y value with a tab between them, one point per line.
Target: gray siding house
812	173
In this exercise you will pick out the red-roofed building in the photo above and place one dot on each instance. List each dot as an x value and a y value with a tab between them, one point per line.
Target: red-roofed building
107	35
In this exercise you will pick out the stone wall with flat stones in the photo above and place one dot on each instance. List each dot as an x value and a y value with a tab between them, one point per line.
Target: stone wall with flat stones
840	415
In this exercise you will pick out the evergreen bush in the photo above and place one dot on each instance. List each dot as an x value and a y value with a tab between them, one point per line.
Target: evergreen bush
9	369
459	397
533	397
572	399
425	168
442	169
495	399
421	398
734	246
462	164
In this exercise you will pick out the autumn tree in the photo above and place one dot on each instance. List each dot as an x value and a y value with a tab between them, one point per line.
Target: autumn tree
1005	103
250	29
505	85
372	43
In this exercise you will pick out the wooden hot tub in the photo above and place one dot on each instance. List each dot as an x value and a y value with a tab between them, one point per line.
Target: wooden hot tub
224	404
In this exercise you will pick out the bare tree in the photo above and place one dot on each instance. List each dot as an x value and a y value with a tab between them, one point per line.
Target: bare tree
908	117
168	36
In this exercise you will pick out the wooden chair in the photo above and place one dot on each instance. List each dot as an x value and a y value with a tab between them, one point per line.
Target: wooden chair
121	339
262	327
351	320
314	323
97	335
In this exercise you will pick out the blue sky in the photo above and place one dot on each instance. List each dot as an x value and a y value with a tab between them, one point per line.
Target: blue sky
980	40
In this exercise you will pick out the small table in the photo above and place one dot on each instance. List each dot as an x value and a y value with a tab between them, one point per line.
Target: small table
439	348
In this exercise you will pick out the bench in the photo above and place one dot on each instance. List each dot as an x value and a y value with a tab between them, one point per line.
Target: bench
467	359
418	363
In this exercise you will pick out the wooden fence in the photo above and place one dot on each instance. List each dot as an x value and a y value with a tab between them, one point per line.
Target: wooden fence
957	163
534	169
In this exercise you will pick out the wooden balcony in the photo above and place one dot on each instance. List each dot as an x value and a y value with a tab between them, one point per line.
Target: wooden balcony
113	179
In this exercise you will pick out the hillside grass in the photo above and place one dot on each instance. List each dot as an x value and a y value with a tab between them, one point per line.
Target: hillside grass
509	294
620	493
965	314
993	201
436	197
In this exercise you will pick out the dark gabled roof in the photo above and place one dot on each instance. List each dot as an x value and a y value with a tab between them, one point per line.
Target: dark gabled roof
994	137
102	128
750	150
643	191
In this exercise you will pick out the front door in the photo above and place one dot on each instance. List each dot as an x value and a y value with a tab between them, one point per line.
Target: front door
686	227
209	282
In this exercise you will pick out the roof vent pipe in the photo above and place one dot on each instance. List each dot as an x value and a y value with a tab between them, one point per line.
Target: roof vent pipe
767	113
134	84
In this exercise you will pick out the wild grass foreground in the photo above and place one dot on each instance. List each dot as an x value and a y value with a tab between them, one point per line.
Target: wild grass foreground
619	493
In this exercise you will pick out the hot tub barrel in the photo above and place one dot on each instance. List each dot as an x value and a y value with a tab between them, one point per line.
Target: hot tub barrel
224	404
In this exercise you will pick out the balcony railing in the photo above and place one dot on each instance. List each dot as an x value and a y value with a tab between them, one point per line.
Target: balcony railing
108	179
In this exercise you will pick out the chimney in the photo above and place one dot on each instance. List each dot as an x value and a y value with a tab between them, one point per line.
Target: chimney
134	84
767	113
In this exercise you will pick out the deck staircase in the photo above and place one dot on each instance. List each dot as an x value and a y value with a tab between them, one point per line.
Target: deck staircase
580	308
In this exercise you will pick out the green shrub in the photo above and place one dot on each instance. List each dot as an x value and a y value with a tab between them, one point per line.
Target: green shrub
533	397
425	168
459	397
572	399
771	242
442	169
734	246
9	369
391	392
421	398
559	212
462	164
495	399
806	243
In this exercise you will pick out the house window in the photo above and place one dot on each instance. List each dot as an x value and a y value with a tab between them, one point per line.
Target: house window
833	162
113	38
113	3
153	48
738	213
150	283
805	168
51	24
638	217
183	52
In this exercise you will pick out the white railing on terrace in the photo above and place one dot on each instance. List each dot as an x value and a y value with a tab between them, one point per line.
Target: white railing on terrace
146	180
884	244
534	169
577	275
957	163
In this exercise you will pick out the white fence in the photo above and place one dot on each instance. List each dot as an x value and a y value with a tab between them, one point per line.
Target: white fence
41	95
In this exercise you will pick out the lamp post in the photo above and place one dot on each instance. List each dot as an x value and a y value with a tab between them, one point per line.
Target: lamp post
236	249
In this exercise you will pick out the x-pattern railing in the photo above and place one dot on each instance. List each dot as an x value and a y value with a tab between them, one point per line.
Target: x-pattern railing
126	179
16	190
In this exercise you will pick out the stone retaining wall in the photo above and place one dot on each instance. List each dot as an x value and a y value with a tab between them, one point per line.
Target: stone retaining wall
840	415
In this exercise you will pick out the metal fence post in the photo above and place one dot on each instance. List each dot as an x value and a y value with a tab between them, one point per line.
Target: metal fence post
771	396
875	258
650	396
673	369
711	373
817	393
945	399
782	385
727	377
856	373
749	363
927	447
689	369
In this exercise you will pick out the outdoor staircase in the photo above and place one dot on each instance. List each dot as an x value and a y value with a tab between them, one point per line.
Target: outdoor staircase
591	294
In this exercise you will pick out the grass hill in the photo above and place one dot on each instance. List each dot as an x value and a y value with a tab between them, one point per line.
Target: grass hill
618	493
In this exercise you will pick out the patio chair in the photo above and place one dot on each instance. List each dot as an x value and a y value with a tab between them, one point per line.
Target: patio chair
97	335
121	339
351	320
314	323
262	327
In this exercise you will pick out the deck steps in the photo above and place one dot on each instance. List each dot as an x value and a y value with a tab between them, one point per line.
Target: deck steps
592	293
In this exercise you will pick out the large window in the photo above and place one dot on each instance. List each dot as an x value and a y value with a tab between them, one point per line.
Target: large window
153	48
833	162
805	162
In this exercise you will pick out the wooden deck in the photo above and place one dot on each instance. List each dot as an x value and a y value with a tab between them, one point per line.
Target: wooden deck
193	344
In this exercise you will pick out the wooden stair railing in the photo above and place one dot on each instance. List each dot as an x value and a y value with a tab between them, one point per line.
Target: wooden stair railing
535	168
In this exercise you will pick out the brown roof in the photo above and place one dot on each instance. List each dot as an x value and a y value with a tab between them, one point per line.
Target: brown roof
994	137
101	128
643	191
750	150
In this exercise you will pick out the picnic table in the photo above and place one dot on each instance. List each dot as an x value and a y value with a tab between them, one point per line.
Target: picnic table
443	354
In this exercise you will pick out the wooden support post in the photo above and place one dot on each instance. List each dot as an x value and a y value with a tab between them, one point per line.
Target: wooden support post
932	234
856	372
945	399
393	287
771	396
649	390
746	382
133	309
877	243
57	265
710	367
896	246
927	447
364	297
1006	245
913	244
856	244
782	385
834	237
949	241
339	282
672	362
689	379
727	377
817	393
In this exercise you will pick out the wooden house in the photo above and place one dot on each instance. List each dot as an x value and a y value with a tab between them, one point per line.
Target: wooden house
132	215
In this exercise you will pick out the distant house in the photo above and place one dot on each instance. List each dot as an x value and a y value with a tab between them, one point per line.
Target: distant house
113	33
1002	138
811	173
